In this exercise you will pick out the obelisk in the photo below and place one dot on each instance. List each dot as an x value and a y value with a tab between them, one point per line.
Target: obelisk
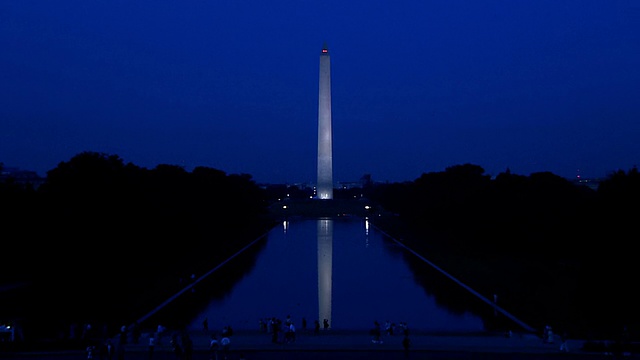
324	187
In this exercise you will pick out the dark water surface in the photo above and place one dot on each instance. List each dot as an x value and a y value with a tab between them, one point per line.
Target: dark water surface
343	270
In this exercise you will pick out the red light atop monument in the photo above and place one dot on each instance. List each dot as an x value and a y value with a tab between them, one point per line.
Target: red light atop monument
325	50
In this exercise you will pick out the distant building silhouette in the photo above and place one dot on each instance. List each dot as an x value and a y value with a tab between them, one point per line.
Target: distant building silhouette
22	177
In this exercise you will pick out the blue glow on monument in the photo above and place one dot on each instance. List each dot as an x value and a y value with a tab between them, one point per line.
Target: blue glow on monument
325	135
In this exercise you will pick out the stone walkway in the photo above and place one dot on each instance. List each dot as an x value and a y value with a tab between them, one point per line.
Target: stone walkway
331	340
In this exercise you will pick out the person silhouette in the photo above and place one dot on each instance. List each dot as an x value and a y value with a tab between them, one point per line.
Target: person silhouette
214	346
406	343
225	342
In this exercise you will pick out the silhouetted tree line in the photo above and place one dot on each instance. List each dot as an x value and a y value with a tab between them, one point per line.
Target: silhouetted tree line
129	229
98	229
516	213
586	235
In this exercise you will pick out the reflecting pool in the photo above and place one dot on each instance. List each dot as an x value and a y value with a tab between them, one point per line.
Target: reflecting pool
342	270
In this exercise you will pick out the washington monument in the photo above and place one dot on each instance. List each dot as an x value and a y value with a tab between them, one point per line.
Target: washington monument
324	187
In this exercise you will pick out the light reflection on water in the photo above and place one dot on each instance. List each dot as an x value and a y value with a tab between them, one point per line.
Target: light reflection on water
343	270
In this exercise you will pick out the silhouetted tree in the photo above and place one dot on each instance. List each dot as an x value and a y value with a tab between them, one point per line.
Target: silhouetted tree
98	222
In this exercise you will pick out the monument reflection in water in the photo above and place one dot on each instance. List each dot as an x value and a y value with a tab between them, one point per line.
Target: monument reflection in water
325	267
342	270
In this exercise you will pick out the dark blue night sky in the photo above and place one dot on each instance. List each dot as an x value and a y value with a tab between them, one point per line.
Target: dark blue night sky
417	86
